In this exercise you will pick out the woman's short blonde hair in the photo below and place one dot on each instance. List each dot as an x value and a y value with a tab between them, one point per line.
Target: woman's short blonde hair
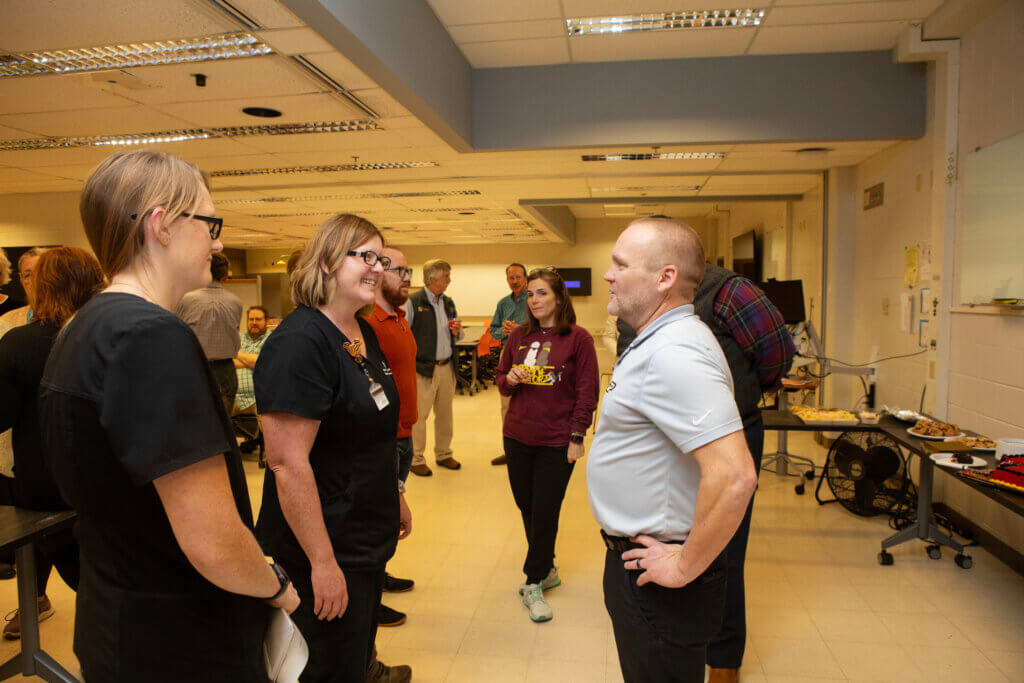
122	191
313	278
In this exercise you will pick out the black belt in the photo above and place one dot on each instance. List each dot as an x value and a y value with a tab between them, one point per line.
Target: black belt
619	544
446	361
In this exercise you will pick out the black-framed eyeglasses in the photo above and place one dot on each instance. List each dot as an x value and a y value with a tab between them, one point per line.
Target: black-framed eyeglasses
401	272
216	224
372	258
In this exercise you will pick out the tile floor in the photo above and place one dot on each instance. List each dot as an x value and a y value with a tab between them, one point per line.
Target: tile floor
819	606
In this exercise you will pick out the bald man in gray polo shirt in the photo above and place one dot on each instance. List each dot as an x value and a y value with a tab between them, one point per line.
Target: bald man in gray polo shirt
669	474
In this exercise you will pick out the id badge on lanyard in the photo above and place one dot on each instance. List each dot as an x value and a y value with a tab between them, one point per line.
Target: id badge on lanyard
380	399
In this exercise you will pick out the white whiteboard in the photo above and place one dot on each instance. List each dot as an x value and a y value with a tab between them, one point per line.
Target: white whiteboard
992	223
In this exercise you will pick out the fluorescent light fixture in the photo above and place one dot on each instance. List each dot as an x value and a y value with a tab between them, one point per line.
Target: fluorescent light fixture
331	168
345	197
649	156
666	21
107	57
455	210
183	135
648	188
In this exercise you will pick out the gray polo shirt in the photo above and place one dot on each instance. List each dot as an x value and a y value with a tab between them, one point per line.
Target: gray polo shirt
670	393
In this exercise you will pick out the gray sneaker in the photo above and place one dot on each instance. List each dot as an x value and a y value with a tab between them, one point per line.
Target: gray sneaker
547	583
380	673
533	599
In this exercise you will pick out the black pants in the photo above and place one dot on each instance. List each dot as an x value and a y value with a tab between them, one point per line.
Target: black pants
725	651
661	633
226	376
539	476
340	650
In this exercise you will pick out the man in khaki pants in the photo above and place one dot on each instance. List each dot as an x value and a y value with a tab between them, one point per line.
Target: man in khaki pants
436	327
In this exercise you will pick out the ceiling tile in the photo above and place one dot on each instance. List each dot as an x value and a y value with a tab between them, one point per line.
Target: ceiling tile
455	12
104	121
341	70
321	148
880	35
294	109
268	13
898	10
508	30
677	44
384	104
252	78
31	25
605	8
36	93
505	53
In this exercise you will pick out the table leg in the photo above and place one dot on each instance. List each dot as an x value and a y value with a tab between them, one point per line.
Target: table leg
925	528
474	386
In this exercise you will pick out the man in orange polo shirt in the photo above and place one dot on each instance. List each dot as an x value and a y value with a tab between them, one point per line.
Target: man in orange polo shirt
399	347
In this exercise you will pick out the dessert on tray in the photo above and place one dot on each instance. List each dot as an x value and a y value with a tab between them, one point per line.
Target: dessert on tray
935	429
812	415
980	443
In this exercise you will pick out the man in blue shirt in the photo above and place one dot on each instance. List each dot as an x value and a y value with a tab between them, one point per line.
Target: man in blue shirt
511	311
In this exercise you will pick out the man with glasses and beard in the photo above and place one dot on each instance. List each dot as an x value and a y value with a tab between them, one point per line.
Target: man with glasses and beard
399	347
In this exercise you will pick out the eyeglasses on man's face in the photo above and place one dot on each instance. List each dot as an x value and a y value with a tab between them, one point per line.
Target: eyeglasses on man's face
215	224
372	258
402	272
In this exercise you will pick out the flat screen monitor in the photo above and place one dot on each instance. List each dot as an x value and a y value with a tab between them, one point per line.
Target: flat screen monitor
788	297
577	280
746	255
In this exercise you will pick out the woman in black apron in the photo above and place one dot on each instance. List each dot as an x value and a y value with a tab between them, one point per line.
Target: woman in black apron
174	586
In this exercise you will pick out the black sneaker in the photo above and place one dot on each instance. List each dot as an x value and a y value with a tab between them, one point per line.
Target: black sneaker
7	571
389	617
396	585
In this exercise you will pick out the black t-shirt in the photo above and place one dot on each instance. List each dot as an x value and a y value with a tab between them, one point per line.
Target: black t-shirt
304	370
126	397
23	352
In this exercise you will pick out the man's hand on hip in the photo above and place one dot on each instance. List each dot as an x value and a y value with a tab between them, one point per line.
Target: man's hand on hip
660	562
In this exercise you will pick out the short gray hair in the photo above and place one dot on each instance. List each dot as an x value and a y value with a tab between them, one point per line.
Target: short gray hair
5	268
30	253
433	269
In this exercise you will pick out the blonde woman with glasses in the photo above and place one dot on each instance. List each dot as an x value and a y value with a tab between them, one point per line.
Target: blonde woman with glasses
174	586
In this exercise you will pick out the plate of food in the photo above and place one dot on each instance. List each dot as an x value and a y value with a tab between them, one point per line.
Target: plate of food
978	443
957	461
824	416
935	431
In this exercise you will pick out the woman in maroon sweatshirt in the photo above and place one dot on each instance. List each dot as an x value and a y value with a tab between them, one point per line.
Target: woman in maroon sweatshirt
549	368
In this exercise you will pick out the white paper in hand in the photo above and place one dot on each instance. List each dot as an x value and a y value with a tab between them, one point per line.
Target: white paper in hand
285	651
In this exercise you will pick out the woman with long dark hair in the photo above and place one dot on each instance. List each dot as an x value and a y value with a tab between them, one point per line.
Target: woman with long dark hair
549	368
174	586
332	510
65	278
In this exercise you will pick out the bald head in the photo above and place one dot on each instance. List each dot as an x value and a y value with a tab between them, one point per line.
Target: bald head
665	241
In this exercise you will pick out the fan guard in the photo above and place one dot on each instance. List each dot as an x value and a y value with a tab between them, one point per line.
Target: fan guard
867	472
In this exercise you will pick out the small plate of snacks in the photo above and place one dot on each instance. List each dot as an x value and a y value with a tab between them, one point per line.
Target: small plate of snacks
978	443
936	431
957	461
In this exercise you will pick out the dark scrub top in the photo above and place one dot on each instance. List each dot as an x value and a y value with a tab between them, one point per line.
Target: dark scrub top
303	369
127	397
23	352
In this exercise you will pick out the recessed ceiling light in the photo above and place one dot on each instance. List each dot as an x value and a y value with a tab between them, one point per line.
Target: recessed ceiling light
666	21
331	168
183	135
262	112
649	156
204	49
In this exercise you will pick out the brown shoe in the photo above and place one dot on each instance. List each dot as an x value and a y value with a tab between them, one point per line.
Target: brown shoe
500	460
380	673
450	463
421	470
12	631
723	676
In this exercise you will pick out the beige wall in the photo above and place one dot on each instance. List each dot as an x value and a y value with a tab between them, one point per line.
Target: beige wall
37	219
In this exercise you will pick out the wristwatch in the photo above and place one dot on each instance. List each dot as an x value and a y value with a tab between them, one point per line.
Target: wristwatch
282	577
576	437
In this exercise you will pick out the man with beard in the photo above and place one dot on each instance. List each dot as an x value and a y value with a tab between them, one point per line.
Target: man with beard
252	343
669	472
399	347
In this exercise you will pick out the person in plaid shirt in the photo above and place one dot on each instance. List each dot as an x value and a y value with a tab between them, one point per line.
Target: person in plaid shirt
760	350
252	343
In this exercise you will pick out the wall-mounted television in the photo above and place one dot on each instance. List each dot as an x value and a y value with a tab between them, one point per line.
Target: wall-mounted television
746	256
577	280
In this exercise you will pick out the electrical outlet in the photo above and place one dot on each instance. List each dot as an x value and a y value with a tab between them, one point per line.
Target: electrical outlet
885	305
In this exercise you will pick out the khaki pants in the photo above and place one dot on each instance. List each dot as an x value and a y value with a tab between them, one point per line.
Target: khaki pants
434	393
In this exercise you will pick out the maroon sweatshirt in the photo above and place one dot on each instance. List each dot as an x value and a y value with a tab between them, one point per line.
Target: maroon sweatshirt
560	395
